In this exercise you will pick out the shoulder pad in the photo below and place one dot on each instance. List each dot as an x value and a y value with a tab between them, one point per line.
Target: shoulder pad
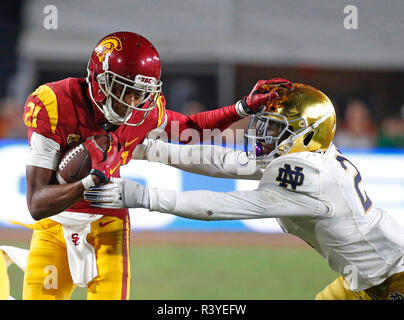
41	110
294	172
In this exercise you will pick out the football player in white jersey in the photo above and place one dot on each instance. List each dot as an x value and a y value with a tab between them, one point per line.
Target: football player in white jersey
312	189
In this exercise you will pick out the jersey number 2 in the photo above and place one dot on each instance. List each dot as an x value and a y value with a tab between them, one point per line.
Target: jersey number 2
366	202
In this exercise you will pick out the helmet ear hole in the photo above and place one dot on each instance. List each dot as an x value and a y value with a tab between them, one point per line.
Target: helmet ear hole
308	138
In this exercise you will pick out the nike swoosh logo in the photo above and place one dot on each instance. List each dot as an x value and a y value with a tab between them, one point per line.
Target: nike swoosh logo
111	171
129	143
103	224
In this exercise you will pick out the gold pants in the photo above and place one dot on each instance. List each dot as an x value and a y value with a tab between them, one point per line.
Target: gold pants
4	280
47	275
391	289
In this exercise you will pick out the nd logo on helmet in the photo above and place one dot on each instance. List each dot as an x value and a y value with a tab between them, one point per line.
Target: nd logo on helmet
107	46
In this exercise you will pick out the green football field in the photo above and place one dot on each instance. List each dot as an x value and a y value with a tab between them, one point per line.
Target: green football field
182	272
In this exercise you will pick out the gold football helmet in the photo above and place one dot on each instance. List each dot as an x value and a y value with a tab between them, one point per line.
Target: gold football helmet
300	119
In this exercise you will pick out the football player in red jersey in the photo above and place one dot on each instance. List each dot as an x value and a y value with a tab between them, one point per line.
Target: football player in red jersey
73	243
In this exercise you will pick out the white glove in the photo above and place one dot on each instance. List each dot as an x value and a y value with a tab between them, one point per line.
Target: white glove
120	193
141	150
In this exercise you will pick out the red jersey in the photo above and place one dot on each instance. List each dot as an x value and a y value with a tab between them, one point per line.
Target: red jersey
63	112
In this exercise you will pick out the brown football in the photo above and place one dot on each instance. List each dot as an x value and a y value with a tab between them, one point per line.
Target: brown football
75	164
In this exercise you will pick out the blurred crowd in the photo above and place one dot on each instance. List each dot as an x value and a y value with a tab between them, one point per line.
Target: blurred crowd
11	120
356	129
359	125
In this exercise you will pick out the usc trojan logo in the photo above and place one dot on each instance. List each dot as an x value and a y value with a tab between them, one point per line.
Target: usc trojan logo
107	46
72	138
75	239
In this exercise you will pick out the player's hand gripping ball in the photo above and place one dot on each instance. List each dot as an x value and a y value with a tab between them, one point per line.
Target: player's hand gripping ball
103	158
76	163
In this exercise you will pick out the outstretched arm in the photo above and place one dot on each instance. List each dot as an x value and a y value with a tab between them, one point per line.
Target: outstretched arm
265	202
223	117
251	204
208	160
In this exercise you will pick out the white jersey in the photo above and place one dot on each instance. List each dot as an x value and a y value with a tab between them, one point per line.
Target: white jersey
358	240
317	196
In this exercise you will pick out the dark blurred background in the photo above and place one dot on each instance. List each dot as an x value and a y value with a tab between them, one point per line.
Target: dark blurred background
214	52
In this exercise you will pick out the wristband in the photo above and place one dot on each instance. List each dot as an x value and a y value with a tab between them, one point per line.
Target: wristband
246	108
103	178
240	110
88	182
